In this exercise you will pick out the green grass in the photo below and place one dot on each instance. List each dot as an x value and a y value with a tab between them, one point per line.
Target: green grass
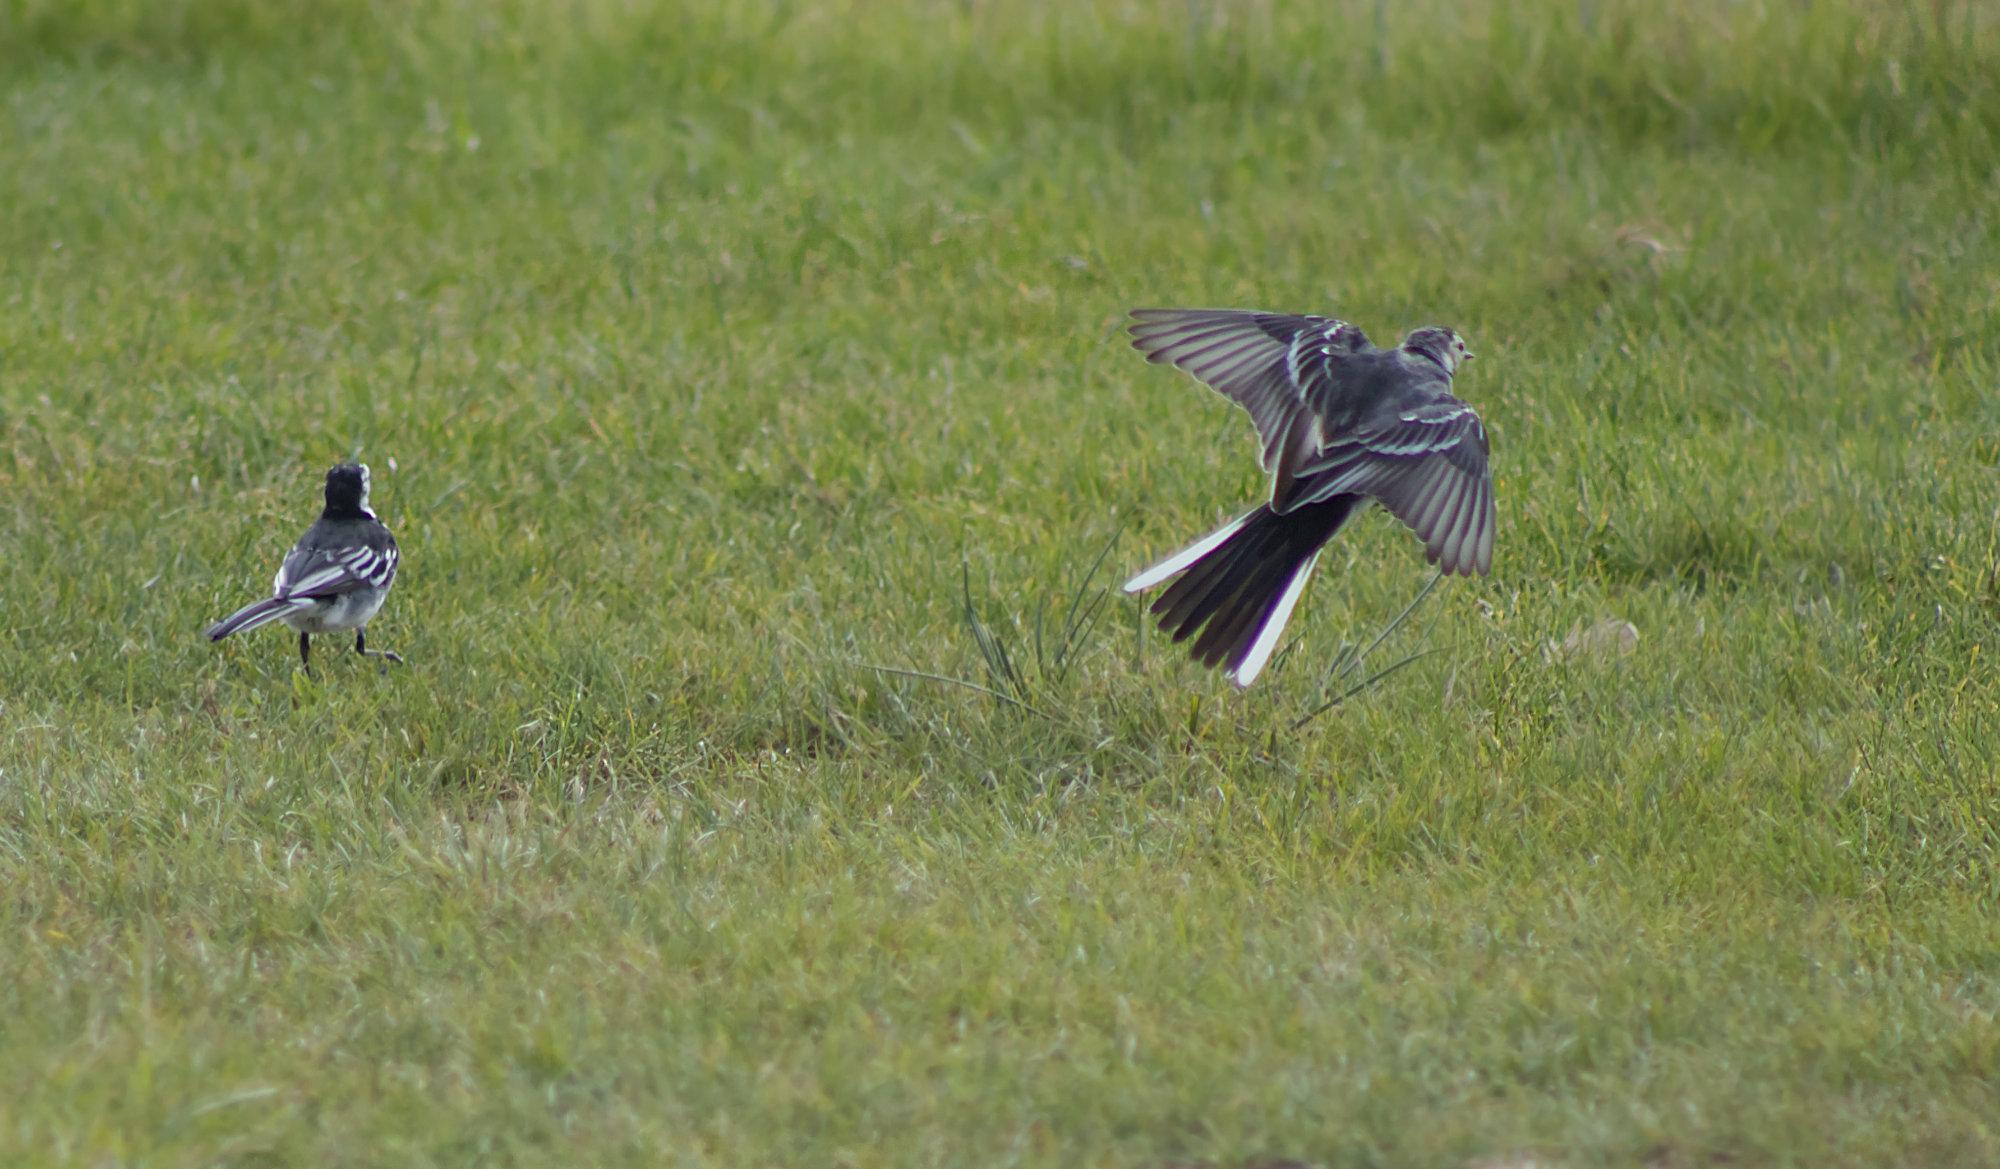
710	357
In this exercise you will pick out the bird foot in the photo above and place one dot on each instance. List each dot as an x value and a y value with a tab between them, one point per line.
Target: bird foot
387	656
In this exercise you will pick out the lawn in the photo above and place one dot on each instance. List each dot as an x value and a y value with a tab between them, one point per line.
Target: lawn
726	369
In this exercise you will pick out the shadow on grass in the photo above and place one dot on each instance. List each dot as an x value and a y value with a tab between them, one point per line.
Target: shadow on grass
1705	555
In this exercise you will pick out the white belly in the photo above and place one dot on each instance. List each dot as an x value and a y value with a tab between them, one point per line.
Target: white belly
347	611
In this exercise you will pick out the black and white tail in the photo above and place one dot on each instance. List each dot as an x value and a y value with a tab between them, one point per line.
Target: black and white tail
1241	582
256	616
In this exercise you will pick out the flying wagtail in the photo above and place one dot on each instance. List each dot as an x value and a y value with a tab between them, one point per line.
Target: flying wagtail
1343	423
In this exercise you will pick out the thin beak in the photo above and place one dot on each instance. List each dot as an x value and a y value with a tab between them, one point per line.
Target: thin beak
1469	355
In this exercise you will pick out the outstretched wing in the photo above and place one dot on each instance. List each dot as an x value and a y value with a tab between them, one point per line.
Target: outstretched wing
1272	364
328	571
1428	466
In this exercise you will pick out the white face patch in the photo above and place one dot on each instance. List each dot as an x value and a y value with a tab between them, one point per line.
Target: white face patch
365	477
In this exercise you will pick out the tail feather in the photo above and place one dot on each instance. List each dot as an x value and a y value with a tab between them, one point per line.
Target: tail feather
1210	588
1188	555
1187	603
1245	612
1265	642
1243	602
252	616
1238	588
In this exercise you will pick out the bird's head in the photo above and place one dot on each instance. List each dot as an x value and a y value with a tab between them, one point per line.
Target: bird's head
1441	345
347	488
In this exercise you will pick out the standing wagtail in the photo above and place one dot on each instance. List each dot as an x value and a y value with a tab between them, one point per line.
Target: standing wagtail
335	579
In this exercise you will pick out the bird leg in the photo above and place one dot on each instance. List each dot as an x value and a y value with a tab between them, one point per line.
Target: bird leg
361	647
305	651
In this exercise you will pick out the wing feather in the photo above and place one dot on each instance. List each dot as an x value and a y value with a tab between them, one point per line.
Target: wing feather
1267	363
331	571
1429	469
1424	457
1454	521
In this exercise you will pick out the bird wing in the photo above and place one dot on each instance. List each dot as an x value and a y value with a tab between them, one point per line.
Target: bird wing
1427	465
1276	366
330	570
